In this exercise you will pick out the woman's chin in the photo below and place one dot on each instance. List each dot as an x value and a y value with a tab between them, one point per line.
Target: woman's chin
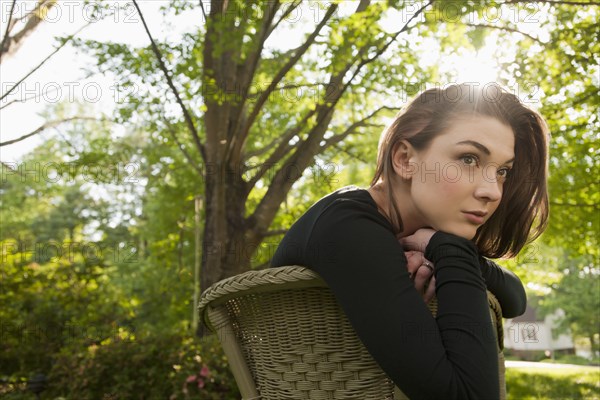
466	233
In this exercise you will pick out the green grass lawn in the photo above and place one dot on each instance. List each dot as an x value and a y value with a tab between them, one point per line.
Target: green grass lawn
578	382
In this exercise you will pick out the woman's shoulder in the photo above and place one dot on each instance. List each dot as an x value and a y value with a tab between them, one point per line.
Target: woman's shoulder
344	204
347	204
346	198
350	192
337	211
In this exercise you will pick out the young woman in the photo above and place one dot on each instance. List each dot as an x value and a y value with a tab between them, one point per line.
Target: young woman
461	174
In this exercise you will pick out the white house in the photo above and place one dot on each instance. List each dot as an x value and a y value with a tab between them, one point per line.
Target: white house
529	334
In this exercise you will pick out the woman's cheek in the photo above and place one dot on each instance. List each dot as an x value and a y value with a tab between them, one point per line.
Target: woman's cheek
449	188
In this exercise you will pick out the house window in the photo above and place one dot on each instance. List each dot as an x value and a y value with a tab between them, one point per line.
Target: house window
529	333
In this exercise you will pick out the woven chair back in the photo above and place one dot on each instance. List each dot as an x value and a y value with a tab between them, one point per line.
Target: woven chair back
286	337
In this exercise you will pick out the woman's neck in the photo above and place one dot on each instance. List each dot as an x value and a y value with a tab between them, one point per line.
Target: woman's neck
410	216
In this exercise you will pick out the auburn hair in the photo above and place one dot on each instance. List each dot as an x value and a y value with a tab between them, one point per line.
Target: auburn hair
522	214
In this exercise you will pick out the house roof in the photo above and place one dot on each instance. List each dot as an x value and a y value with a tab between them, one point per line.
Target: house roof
530	315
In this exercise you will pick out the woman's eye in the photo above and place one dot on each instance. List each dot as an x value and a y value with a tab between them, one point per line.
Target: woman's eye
503	172
469	159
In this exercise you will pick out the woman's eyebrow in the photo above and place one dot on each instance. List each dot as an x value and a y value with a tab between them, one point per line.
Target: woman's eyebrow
481	147
476	144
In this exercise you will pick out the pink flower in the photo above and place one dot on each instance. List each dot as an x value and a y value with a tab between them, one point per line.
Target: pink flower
205	372
190	379
200	383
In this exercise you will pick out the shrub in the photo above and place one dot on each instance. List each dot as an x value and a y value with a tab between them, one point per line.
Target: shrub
154	367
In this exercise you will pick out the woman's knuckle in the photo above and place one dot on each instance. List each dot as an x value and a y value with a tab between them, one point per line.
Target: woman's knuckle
423	272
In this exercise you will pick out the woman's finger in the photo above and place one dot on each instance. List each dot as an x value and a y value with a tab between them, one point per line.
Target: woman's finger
414	261
430	291
423	275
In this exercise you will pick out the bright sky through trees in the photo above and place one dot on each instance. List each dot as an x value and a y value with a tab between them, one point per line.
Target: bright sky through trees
62	79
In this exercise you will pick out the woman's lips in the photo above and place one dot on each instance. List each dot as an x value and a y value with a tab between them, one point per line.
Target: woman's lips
476	217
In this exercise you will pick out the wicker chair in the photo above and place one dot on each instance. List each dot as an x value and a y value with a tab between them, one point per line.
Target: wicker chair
286	337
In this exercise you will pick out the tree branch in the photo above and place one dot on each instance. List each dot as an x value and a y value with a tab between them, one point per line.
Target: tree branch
180	145
281	183
334	140
68	142
354	156
269	204
31	72
43	61
11	44
281	150
395	36
264	149
287	12
26	99
362	6
337	80
186	115
7	31
284	70
505	28
276	232
203	11
235	141
334	81
44	126
282	139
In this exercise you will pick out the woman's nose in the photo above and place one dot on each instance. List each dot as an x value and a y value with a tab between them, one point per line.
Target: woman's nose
488	188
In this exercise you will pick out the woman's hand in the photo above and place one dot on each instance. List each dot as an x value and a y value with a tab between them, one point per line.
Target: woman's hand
421	272
418	241
419	268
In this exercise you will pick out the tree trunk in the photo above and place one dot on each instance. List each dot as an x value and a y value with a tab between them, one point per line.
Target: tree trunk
227	250
231	236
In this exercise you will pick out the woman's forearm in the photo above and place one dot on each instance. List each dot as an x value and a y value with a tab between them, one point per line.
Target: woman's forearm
506	286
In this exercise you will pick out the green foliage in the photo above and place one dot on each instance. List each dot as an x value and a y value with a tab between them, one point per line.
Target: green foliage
563	72
552	384
151	367
83	305
47	305
578	295
556	71
112	323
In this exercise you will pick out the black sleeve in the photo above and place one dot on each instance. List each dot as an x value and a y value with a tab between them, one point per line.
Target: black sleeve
451	357
506	286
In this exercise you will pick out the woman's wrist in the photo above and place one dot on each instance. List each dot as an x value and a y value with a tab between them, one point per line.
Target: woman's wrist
443	244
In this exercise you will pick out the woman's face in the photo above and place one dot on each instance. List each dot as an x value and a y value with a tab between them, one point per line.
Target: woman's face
457	180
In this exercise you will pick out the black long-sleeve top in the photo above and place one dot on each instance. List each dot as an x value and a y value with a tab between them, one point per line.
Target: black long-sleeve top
351	245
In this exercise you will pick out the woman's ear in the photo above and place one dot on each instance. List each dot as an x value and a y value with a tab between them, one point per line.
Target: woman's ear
402	156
